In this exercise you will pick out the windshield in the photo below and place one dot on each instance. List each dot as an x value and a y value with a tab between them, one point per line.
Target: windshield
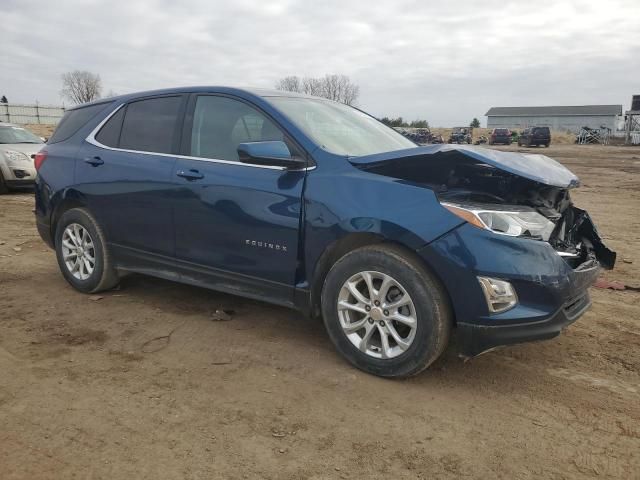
341	129
11	134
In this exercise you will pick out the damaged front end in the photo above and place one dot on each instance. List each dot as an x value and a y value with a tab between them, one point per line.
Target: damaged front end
508	193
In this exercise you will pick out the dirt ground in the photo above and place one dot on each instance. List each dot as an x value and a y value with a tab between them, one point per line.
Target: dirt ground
141	382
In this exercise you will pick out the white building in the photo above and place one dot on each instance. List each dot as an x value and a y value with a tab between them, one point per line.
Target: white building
570	118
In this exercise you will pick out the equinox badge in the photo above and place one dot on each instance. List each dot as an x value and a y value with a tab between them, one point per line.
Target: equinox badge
269	245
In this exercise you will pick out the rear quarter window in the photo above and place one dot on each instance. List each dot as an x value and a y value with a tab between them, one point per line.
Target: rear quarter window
543	130
109	134
73	120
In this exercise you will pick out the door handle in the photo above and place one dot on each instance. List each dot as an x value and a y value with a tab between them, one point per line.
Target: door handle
94	161
190	175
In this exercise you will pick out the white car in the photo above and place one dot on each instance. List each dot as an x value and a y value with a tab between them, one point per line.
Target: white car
18	147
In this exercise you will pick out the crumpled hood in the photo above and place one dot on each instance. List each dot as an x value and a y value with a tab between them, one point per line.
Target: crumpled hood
532	166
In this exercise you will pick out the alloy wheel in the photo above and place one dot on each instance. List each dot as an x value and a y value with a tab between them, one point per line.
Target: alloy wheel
78	251
377	314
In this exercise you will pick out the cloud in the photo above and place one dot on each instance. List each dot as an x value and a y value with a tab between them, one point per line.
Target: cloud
445	61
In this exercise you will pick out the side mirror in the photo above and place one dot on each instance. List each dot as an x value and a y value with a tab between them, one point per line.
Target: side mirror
271	153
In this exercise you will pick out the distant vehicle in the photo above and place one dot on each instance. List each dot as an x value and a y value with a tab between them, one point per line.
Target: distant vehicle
437	138
312	204
481	140
500	135
18	146
461	135
535	136
419	135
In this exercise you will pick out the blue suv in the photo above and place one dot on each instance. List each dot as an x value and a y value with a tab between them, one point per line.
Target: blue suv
314	205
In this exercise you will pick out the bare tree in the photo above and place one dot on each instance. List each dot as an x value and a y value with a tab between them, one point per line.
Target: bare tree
334	87
290	84
340	89
313	86
81	86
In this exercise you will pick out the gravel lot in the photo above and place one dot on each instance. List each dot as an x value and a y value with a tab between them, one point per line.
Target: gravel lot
142	382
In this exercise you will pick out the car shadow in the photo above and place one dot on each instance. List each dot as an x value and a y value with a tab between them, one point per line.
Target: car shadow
493	370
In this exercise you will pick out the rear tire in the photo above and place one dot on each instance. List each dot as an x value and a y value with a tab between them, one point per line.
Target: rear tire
425	321
81	250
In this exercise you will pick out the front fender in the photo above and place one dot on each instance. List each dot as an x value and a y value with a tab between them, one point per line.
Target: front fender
339	204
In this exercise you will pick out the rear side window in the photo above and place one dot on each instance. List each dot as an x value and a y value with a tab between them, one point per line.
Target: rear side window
109	134
150	125
73	120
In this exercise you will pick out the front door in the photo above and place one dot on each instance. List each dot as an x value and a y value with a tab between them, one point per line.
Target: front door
236	224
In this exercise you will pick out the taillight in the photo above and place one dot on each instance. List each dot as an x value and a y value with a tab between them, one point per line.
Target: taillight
39	159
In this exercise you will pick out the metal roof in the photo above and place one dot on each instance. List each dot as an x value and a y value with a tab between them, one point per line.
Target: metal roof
604	110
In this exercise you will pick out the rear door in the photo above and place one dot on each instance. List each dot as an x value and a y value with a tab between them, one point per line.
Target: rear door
237	225
126	170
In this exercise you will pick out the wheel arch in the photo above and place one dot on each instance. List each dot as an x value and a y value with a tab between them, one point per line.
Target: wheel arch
353	241
69	199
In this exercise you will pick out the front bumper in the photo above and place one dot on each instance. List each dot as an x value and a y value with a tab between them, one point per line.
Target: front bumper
551	295
476	339
19	174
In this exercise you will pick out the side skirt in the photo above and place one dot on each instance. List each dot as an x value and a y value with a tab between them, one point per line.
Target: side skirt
134	260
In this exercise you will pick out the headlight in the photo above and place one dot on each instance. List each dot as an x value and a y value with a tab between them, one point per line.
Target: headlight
515	223
14	158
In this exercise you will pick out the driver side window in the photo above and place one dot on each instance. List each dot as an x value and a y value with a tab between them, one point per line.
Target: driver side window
220	124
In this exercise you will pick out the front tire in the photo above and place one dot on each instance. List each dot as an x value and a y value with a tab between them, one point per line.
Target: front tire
384	312
82	253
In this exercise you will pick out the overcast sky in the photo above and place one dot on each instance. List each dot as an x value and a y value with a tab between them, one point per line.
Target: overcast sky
446	61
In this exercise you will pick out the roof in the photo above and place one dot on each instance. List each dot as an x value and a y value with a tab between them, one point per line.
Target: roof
242	91
604	110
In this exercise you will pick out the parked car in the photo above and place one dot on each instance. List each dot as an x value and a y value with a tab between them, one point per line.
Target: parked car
535	136
314	205
500	135
18	146
461	135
